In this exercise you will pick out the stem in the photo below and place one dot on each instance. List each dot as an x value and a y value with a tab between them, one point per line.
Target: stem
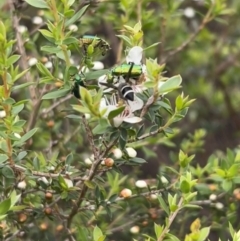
170	220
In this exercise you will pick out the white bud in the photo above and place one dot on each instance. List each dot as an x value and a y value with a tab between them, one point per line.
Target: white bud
48	65
98	65
51	168
72	61
22	29
87	116
213	197
88	161
22	185
60	75
219	206
134	229
2	113
141	184
153	196
17	135
189	12
32	61
103	163
164	180
68	182
37	20
125	193
131	152
73	28
117	153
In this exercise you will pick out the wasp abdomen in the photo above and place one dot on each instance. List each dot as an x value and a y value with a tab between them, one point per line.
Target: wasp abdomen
127	92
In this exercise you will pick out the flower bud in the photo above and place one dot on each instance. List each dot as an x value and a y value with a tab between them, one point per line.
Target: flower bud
140	184
88	161
131	152
22	217
164	180
48	196
213	197
2	113
22	185
134	229
37	20
117	153
32	61
73	28
48	211
126	193
109	162
219	206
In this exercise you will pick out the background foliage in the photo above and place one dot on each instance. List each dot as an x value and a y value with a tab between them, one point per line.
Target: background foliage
43	153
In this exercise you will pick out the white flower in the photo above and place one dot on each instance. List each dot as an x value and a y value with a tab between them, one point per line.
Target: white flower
140	184
48	65
131	152
22	185
37	20
189	12
219	206
213	197
98	65
68	182
137	104
134	229
2	113
164	180
22	29
117	153
32	61
126	116
135	55
73	28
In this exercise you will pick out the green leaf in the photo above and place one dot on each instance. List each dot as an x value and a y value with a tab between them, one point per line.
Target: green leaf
46	33
36	164
50	49
44	70
97	233
70	40
56	94
5	206
76	16
14	198
138	160
96	74
18	76
25	137
227	185
18	87
171	84
13	59
8	172
86	96
204	232
3	158
151	46
38	3
17	108
115	112
90	184
163	204
125	38
185	186
158	230
62	182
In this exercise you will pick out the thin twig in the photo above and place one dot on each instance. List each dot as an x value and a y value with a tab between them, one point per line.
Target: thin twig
205	20
170	220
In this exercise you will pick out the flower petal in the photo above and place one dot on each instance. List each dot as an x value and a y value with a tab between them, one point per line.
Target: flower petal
135	55
117	121
137	104
132	120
